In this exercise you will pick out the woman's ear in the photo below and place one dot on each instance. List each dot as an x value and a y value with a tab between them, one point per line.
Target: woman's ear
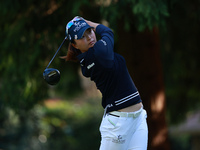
74	45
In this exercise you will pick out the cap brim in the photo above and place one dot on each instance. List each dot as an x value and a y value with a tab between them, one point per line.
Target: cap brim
82	31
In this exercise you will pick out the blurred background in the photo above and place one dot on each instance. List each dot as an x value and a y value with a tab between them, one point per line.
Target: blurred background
160	42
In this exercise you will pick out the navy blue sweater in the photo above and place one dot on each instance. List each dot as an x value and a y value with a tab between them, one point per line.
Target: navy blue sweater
108	70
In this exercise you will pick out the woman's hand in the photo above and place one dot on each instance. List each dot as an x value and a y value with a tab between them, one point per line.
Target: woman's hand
92	24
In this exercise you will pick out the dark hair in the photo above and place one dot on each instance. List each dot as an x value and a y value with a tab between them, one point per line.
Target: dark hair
72	53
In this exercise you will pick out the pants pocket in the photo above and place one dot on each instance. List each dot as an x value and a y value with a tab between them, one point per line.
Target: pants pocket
109	123
113	120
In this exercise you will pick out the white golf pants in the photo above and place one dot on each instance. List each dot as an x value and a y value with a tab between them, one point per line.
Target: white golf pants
127	132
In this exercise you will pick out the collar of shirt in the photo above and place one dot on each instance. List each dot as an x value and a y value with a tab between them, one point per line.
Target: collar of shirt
81	56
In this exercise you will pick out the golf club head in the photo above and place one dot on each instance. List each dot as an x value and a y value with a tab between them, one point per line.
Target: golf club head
51	76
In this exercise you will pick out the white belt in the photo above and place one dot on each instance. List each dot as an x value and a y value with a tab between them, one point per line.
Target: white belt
126	114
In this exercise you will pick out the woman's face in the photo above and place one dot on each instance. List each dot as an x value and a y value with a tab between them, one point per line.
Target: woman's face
88	40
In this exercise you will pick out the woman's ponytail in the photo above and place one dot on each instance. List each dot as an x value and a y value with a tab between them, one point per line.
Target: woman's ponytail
72	54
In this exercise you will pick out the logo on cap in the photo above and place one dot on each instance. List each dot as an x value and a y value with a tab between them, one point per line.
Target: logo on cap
79	26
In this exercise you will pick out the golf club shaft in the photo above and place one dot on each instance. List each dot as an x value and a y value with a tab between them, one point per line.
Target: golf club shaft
57	51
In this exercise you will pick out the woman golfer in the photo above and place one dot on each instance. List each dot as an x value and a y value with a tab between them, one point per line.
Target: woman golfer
123	126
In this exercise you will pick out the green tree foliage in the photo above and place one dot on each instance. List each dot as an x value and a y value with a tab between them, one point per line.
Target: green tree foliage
180	53
30	34
142	13
56	125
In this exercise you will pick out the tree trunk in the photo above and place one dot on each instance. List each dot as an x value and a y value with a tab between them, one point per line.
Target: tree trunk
142	53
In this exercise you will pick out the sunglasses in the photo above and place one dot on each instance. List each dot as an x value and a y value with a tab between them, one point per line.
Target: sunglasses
77	18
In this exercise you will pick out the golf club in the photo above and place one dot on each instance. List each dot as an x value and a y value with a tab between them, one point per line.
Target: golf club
51	75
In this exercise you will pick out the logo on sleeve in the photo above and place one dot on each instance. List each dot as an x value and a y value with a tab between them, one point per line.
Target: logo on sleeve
82	62
104	42
90	66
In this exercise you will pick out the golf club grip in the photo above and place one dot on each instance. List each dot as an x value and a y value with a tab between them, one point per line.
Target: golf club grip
57	51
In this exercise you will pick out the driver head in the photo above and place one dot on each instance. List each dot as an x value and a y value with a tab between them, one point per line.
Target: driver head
51	76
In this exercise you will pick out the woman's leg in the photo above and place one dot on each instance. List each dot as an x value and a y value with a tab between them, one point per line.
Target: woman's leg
121	133
111	139
139	139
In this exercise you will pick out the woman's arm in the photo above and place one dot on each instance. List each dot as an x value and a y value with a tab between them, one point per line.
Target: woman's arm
92	24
